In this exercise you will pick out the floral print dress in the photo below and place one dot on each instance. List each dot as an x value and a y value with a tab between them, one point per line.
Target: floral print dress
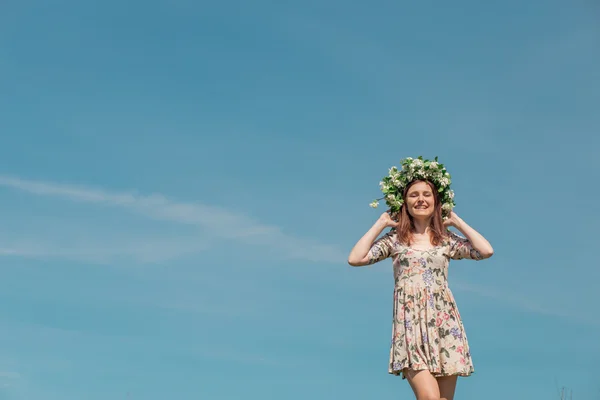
427	331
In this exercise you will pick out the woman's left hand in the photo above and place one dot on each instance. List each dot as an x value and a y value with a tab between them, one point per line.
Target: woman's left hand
452	220
478	242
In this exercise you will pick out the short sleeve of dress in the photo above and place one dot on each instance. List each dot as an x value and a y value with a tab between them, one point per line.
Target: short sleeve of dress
381	249
461	247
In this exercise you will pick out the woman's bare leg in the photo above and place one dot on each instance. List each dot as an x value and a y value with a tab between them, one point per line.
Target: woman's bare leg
447	385
423	384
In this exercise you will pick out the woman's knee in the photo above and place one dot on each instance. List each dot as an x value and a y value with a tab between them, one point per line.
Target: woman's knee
424	385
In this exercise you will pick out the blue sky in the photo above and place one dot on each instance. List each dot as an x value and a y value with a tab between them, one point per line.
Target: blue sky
181	183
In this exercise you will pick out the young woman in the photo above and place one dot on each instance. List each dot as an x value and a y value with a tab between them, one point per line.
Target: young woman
429	345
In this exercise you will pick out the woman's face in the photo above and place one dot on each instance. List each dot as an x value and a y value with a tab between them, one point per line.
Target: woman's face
420	200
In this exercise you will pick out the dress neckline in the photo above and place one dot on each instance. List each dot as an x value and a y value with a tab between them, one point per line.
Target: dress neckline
415	249
429	249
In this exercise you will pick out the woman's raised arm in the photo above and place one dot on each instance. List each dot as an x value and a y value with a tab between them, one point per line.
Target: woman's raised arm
476	239
361	253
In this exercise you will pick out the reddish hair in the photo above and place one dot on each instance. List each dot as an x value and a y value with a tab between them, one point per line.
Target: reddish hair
406	228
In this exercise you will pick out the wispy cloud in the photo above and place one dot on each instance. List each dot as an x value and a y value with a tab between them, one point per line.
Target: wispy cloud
521	302
9	375
106	249
8	379
13	252
216	222
515	300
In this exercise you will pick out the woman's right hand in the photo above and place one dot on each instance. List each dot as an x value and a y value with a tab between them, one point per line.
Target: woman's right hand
359	255
387	220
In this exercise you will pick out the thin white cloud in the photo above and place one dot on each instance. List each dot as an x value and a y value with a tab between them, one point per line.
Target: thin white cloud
521	302
13	252
10	375
105	250
216	222
9	378
515	300
155	206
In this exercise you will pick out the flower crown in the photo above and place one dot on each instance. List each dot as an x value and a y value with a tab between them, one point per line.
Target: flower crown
411	169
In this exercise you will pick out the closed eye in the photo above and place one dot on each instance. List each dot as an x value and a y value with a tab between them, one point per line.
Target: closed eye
427	194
